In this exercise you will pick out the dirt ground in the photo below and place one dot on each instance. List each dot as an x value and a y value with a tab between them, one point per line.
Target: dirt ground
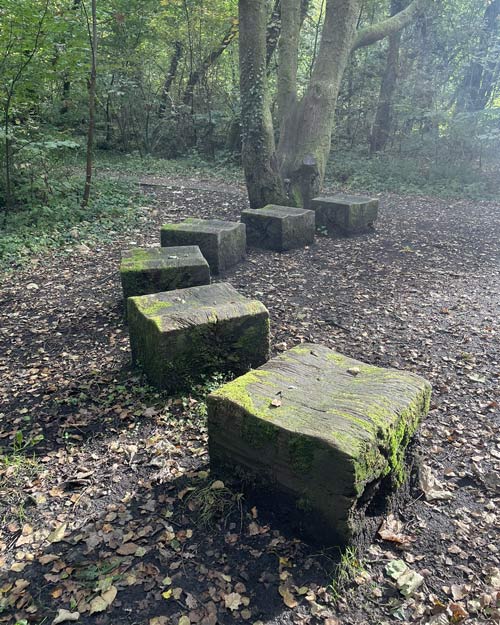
107	511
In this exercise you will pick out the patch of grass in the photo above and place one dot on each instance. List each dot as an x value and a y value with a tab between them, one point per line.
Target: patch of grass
344	572
16	471
213	503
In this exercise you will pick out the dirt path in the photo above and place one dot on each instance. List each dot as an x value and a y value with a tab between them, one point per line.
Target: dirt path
120	473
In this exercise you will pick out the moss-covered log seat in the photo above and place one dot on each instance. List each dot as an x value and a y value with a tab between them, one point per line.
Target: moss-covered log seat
317	432
146	270
345	214
222	243
279	228
176	337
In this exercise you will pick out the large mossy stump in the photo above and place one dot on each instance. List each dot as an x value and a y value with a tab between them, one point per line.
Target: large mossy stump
279	228
222	243
317	432
345	214
153	269
177	337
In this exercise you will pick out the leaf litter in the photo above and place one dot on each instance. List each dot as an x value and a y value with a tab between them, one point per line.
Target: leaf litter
104	477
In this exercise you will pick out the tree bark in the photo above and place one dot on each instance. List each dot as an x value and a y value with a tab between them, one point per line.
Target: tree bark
288	57
383	118
197	76
169	79
92	93
305	137
258	150
274	26
481	75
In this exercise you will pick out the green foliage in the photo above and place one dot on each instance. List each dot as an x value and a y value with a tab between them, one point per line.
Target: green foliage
194	164
412	175
61	221
437	144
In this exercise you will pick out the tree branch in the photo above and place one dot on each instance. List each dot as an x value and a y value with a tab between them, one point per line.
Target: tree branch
371	34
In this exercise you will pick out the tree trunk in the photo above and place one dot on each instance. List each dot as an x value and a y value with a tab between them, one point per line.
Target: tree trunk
274	26
92	92
481	75
196	77
383	118
305	139
288	57
258	150
172	71
305	136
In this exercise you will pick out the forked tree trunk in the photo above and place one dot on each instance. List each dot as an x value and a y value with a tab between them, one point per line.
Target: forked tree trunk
306	124
305	138
258	150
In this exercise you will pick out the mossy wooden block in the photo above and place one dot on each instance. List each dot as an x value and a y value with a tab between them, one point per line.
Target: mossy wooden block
222	243
279	228
347	214
320	429
177	337
153	269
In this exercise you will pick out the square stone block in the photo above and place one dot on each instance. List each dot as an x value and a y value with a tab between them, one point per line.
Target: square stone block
348	214
279	228
176	337
317	432
146	270
222	243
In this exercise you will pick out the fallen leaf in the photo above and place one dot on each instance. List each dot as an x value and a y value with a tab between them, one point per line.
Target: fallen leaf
98	604
64	616
110	595
431	487
232	601
458	612
58	534
392	531
396	568
127	549
288	598
409	582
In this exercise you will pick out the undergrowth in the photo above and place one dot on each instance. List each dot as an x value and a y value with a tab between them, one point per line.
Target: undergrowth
33	228
409	175
213	503
223	167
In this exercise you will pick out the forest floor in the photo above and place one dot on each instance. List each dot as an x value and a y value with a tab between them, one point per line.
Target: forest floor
106	506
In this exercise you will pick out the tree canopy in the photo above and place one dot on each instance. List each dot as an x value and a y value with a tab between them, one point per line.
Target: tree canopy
168	78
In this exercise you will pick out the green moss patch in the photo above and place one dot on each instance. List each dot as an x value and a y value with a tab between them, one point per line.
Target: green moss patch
318	423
